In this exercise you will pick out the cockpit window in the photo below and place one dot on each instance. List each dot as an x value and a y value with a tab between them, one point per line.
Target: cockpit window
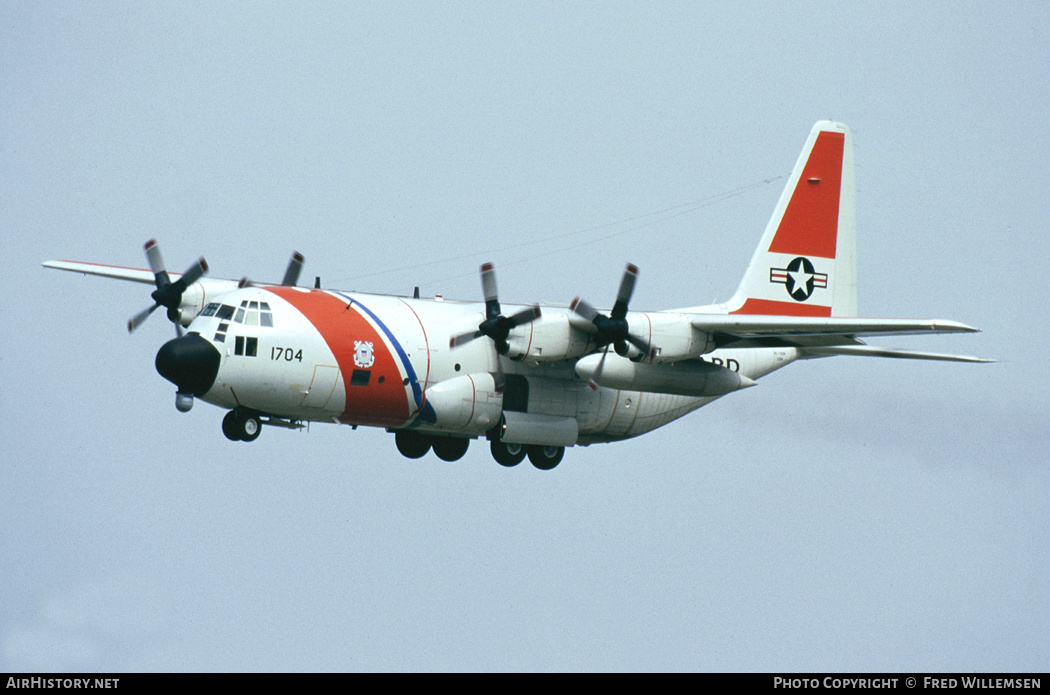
210	309
225	312
254	314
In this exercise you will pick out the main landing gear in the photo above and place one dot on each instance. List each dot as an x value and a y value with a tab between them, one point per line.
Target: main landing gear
543	457
414	445
241	425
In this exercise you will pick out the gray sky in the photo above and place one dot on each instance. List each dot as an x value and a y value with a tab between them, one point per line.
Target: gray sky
843	515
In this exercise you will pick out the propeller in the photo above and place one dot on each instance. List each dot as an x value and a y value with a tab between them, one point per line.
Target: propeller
495	326
291	273
613	329
168	294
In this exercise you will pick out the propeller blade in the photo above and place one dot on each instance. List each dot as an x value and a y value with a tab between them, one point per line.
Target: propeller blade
498	378
489	290
623	297
291	275
584	309
592	383
156	261
192	274
525	316
645	347
464	338
140	318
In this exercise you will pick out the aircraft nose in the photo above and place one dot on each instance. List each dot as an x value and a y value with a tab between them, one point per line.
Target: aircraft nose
189	362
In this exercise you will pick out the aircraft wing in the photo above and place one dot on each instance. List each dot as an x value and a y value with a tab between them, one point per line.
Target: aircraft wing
825	337
142	275
211	285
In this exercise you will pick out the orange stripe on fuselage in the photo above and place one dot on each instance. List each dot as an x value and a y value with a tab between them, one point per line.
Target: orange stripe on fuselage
768	307
384	401
810	223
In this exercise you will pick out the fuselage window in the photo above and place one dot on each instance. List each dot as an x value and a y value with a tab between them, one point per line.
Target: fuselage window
220	334
248	347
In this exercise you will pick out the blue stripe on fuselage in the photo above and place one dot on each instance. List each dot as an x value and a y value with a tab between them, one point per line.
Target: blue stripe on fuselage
427	413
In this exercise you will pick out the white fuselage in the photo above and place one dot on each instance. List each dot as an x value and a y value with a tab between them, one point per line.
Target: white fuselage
373	360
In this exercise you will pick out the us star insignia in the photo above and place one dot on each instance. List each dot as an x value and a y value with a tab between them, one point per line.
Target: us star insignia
799	278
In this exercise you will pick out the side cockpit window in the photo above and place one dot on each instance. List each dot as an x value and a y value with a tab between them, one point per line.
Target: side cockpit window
249	313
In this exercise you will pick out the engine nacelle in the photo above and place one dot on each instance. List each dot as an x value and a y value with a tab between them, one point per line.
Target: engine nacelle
549	339
469	404
672	335
689	378
192	303
553	338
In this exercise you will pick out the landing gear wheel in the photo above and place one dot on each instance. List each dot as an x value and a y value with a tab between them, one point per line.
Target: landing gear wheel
412	445
450	448
241	426
251	427
507	454
545	457
230	427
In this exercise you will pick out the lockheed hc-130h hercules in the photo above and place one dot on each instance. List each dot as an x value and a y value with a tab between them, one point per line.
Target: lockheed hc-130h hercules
532	381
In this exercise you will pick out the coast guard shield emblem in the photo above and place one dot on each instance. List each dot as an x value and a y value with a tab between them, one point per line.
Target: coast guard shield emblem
364	356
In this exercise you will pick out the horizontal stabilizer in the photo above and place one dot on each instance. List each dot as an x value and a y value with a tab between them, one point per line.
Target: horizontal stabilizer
748	327
873	351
